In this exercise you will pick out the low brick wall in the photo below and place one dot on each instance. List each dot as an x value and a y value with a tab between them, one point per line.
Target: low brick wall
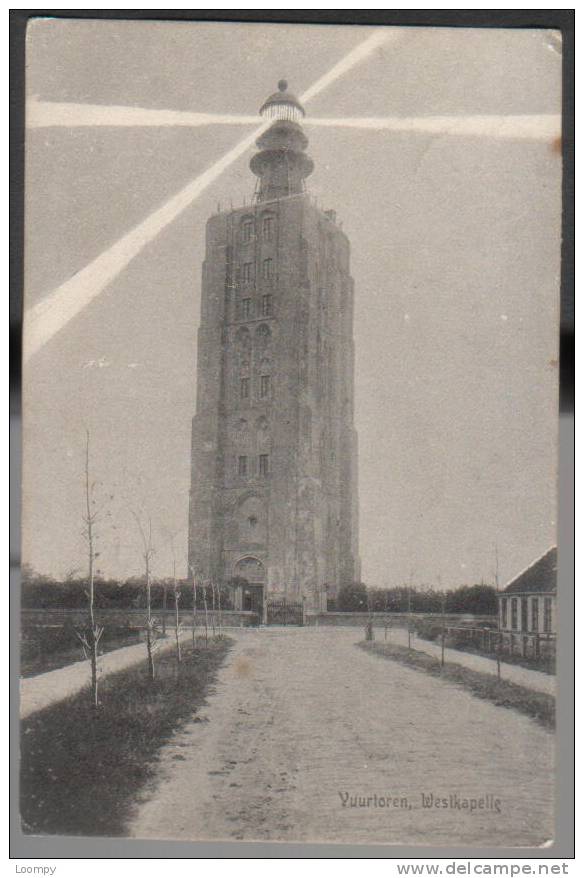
130	618
398	620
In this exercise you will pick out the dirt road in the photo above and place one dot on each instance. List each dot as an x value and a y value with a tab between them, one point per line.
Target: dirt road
308	738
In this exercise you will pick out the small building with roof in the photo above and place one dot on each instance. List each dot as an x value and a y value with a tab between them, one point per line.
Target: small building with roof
527	604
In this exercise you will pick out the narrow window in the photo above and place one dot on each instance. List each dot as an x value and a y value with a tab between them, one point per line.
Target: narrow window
524	625
503	613
266	306
268	228
242	465
534	614
514	614
547	615
245	308
263	464
246	272
264	386
247	230
244	388
267	269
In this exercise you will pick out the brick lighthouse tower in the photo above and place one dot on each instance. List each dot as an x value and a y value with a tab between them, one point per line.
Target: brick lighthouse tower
274	503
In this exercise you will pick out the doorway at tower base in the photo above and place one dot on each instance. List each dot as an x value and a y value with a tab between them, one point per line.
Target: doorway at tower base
250	597
276	606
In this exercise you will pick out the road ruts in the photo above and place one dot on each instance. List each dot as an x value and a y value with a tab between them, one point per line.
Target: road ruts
301	720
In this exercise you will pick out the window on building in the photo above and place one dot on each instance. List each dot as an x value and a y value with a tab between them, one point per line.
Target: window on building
268	228
264	464
534	614
247	230
547	615
244	388
524	625
242	465
503	613
264	386
246	272
266	306
514	614
246	309
268	269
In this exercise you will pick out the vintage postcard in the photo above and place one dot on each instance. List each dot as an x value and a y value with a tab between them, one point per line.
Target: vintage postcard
290	400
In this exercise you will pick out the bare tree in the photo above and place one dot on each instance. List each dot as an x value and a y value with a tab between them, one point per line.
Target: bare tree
147	555
164	603
177	626
410	586
213	608
194	603
219	618
498	644
443	614
91	635
177	596
165	581
206	614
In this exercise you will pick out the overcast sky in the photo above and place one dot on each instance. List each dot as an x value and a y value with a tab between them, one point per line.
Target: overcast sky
454	250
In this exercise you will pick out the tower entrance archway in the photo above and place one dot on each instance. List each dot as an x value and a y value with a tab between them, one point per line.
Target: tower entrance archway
251	573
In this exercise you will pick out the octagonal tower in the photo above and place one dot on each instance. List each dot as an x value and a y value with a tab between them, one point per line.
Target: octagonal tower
274	450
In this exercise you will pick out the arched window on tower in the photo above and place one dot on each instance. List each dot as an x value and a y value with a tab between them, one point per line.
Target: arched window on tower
241	432
241	368
263	333
265	386
268	269
245	309
265	379
267	305
247	229
268	228
263	434
243	347
246	273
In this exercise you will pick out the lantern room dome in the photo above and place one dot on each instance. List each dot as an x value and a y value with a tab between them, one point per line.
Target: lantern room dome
282	105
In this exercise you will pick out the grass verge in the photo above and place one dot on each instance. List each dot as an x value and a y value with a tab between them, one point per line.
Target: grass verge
536	705
544	666
47	649
81	770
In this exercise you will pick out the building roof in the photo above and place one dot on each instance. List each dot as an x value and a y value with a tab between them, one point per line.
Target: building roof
541	576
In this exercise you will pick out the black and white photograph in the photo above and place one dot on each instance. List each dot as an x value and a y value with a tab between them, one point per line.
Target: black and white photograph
290	432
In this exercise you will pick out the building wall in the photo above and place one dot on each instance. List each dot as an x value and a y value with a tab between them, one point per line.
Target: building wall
275	381
539	615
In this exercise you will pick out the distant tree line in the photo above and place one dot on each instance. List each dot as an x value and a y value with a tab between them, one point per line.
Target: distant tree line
45	592
478	599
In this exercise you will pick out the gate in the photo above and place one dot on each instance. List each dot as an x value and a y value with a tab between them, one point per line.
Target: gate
284	612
